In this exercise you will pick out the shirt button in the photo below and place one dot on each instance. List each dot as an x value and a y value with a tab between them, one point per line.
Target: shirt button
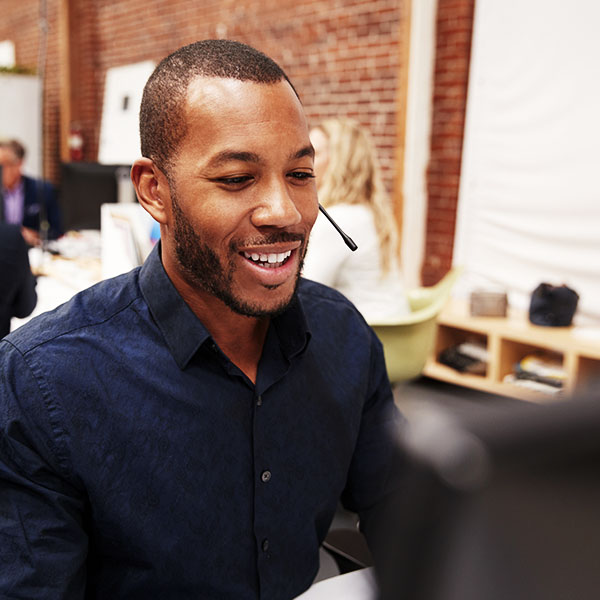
265	545
259	401
265	476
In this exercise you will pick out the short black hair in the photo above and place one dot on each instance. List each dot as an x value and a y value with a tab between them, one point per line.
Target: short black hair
162	123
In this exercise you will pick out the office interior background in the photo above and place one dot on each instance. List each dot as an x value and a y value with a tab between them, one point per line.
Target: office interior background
484	114
345	57
462	97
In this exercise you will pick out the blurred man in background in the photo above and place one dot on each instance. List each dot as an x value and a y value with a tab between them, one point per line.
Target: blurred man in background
28	202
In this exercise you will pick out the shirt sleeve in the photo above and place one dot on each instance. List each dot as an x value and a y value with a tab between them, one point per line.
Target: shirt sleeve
375	475
43	544
26	296
53	212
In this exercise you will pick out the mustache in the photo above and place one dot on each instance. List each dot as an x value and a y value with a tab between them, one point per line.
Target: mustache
272	238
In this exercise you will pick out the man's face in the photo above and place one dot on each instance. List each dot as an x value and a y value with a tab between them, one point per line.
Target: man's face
243	198
11	168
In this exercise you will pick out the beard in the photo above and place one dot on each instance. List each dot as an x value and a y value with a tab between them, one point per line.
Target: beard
203	268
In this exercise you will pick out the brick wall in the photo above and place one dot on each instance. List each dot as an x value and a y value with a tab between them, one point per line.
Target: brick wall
21	22
342	55
453	48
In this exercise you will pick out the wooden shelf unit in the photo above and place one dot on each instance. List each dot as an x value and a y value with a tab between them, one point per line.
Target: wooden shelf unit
508	340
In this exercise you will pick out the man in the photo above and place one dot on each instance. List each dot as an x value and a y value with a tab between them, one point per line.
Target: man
17	283
187	429
28	202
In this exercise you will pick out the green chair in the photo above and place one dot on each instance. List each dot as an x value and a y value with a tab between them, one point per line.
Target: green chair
408	342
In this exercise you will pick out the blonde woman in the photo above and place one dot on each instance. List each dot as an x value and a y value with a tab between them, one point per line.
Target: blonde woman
351	189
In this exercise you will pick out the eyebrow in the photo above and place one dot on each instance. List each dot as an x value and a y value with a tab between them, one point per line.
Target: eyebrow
306	151
233	155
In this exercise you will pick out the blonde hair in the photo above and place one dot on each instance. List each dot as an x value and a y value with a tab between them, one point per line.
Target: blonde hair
353	176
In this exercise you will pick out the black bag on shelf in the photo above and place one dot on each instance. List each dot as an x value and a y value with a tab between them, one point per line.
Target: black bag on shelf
553	306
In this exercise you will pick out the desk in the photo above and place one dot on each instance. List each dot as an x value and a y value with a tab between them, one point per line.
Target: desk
61	276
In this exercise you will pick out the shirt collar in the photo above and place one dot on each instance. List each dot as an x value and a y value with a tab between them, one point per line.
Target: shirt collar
292	329
184	333
182	330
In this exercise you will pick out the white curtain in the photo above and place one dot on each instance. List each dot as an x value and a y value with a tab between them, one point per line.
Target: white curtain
529	202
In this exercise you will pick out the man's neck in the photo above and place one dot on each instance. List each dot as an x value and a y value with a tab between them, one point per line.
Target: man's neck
15	185
241	338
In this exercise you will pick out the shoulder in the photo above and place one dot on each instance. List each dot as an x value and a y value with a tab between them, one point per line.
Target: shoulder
313	294
32	184
92	308
327	310
351	212
355	219
340	338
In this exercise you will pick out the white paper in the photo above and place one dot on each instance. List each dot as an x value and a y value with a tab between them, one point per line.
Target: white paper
119	131
357	585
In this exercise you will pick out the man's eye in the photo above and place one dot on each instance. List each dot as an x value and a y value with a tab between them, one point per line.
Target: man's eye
234	181
301	175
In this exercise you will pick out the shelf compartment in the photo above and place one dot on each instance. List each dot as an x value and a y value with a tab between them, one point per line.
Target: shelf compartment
512	352
507	341
448	336
588	374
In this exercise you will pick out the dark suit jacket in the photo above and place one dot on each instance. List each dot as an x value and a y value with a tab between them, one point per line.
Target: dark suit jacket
17	283
41	195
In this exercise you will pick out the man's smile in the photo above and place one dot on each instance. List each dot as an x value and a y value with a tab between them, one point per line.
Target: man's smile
270	260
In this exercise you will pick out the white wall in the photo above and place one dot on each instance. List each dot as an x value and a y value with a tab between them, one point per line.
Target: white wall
119	131
418	135
20	116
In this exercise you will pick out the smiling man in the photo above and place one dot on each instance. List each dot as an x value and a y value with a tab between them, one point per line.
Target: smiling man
186	430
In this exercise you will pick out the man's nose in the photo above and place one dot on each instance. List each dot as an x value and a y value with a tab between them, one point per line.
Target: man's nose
276	207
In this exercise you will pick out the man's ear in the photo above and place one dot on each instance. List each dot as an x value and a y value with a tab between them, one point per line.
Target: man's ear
152	189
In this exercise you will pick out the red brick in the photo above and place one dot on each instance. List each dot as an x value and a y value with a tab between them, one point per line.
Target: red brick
343	56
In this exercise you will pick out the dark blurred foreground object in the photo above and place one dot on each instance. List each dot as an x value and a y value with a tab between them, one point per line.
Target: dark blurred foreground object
85	187
17	283
553	306
504	505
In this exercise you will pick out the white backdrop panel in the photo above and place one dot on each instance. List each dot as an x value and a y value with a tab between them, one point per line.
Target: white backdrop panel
529	202
20	116
119	131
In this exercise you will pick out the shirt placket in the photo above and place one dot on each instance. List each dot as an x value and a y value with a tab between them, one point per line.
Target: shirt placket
263	484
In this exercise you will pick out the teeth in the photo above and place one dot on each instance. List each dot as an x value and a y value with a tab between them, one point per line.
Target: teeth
271	258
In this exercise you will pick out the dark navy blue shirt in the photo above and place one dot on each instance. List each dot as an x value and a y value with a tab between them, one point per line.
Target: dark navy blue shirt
136	461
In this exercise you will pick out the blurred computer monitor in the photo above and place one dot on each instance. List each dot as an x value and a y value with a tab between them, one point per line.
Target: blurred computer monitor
502	506
84	188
